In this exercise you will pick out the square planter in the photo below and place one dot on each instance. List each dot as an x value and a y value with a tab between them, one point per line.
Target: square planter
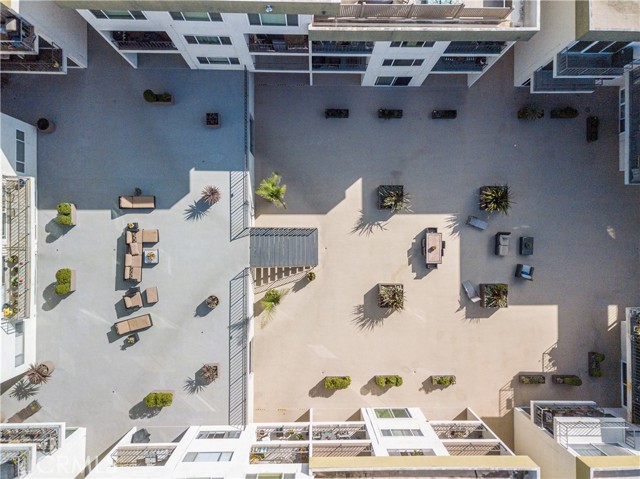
485	295
383	190
381	286
74	215
213	120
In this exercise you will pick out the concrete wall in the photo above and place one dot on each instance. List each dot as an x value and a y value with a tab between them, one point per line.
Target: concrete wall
557	25
62	26
554	460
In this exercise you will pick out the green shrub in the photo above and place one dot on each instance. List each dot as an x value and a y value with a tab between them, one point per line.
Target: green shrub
532	379
64	208
154	400
573	381
149	96
599	357
63	276
389	381
337	382
64	220
63	288
311	276
596	373
443	380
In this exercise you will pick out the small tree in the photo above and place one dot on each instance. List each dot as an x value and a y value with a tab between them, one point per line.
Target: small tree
495	295
272	299
271	190
337	382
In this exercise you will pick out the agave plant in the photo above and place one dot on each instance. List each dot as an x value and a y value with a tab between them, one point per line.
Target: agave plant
271	190
391	296
210	195
272	299
40	373
496	295
397	200
495	198
209	372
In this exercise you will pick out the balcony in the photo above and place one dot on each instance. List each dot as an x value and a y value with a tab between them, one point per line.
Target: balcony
16	460
339	432
460	64
279	455
142	41
342	450
342	47
282	433
576	64
131	456
462	430
16	35
279	44
49	59
46	439
284	63
352	64
17	209
475	48
634	146
476	449
544	82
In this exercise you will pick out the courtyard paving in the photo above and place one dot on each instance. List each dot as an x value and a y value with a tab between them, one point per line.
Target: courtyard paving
108	142
568	193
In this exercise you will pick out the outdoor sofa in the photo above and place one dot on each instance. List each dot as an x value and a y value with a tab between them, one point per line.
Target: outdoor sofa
137	202
133	254
134	324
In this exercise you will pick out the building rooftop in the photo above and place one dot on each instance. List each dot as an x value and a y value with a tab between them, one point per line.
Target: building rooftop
623	15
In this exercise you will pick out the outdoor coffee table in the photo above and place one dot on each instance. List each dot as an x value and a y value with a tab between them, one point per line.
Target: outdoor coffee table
434	248
151	255
526	245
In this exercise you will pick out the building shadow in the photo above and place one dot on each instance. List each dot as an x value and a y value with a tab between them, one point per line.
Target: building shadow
549	362
369	315
372	388
142	411
55	230
24	390
366	225
112	335
120	283
319	391
51	298
196	211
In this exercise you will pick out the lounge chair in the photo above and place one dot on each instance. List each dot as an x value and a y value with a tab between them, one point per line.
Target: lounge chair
137	202
133	299
502	243
471	291
524	271
152	295
134	324
477	223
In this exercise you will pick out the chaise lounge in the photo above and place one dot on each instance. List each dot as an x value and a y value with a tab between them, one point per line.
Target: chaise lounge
134	324
137	202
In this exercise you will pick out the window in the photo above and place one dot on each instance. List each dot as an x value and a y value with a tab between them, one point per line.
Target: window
401	63
218	61
273	19
401	432
119	14
207	40
208	457
622	114
218	435
624	383
413	44
392	413
19	335
393	81
196	16
20	158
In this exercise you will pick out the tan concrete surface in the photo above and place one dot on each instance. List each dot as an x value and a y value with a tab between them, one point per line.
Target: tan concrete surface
569	195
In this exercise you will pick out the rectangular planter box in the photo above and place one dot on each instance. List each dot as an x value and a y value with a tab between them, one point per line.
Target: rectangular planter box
434	380
389	114
532	379
336	113
592	128
561	378
74	215
483	299
382	190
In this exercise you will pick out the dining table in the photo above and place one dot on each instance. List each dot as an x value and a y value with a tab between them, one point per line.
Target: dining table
433	248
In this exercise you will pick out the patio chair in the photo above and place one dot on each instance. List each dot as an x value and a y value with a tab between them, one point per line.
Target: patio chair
151	295
502	243
477	223
471	291
133	273
133	299
524	271
150	236
135	249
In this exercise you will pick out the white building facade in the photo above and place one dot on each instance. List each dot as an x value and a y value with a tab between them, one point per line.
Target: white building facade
383	439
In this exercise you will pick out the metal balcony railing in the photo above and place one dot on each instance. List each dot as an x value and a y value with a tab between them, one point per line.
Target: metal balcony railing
47	60
132	40
634	133
471	48
143	456
342	47
348	64
144	45
575	64
272	62
544	82
16	34
460	64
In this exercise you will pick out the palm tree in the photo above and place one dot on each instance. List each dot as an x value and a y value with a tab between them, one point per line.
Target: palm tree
40	373
272	299
271	190
210	195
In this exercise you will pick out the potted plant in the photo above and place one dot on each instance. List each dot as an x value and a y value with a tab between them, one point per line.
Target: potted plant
568	379
209	372
212	120
389	381
212	301
337	382
532	379
40	373
566	112
530	112
391	297
66	279
272	299
159	399
594	364
45	126
67	214
158	98
443	380
256	457
393	197
13	258
495	198
271	190
210	195
311	276
494	295
9	311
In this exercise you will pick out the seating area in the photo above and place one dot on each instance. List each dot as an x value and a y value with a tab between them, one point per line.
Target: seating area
135	255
